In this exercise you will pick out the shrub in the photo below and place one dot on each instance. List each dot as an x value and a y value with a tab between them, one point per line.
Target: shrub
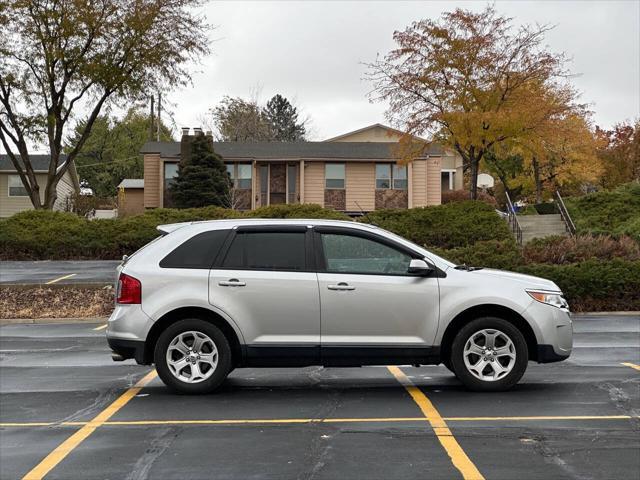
594	285
560	250
456	224
548	208
40	234
449	196
501	254
615	212
297	211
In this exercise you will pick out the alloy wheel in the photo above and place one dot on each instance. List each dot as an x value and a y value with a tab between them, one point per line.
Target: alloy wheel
489	355
192	357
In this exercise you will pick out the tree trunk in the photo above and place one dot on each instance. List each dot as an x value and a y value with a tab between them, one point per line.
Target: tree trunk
474	177
538	179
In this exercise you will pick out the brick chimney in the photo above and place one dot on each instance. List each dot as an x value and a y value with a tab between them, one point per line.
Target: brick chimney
187	139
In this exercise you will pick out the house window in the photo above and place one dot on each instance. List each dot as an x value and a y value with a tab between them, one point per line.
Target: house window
447	178
400	177
383	175
170	173
16	188
292	177
334	175
391	176
240	175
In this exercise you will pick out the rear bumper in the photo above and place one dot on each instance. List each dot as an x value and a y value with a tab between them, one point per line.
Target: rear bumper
128	349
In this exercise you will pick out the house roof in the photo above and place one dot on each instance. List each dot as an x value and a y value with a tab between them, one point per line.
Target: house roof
293	150
394	131
40	163
132	183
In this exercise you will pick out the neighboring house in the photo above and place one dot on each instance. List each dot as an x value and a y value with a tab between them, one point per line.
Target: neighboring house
355	172
130	197
13	195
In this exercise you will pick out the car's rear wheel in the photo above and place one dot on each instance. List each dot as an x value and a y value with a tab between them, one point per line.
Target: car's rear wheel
489	354
192	356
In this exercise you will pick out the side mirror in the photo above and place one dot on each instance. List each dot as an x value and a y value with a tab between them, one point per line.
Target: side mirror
420	267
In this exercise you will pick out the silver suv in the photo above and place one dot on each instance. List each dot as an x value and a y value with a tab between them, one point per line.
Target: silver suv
208	297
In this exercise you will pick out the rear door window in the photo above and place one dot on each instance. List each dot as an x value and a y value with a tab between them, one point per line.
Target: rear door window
199	251
267	251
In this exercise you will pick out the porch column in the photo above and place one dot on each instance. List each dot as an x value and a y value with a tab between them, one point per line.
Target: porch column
410	185
301	168
254	175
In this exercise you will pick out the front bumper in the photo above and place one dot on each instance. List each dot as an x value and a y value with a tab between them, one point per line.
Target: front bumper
553	329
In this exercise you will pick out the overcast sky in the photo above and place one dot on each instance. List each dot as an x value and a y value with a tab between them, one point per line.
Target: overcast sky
312	52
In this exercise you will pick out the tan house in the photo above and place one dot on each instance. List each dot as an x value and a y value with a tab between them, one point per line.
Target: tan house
355	172
13	195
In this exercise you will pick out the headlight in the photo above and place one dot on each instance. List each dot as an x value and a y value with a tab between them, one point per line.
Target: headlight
553	299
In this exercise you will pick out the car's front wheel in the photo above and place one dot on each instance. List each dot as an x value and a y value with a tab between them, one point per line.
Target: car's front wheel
192	356
489	354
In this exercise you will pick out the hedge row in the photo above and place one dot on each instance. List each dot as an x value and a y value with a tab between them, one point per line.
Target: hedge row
594	285
453	225
48	235
614	212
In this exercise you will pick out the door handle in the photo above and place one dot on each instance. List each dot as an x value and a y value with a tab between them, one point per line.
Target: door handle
341	286
233	282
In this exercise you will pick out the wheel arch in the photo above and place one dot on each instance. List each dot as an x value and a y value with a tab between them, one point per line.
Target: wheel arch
181	313
489	310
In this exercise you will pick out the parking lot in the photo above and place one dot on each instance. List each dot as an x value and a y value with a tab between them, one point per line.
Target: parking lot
68	412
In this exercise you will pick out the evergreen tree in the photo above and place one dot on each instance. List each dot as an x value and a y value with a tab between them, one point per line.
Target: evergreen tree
202	177
283	118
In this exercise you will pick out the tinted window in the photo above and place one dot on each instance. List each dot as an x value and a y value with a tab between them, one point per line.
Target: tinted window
351	254
267	251
197	252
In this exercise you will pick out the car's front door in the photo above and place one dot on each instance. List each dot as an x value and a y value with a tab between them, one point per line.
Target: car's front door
372	310
267	284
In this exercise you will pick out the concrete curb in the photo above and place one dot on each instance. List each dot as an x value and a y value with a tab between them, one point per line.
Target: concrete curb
24	321
59	285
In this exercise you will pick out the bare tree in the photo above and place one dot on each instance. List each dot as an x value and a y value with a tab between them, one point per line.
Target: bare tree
61	57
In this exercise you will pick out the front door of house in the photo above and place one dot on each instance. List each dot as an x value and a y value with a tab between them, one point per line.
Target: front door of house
278	184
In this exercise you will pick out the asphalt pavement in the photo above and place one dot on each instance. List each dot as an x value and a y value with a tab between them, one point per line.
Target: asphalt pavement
68	412
48	272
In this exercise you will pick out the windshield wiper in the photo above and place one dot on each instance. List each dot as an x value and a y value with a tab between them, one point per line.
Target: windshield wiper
466	267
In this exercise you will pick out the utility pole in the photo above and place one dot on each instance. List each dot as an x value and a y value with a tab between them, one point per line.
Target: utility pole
151	118
159	115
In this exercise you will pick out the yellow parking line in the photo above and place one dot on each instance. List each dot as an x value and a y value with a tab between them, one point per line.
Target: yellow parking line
284	421
458	457
101	327
66	447
632	365
55	280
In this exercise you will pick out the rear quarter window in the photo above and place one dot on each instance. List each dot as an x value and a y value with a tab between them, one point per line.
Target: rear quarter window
199	251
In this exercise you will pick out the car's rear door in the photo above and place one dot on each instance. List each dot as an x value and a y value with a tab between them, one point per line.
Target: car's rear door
266	282
373	310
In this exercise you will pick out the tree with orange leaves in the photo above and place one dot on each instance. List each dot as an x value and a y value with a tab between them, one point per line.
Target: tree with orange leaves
467	80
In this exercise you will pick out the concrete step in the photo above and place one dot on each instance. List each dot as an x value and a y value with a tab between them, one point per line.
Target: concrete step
540	226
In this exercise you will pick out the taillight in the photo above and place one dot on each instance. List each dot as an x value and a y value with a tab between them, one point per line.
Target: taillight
129	290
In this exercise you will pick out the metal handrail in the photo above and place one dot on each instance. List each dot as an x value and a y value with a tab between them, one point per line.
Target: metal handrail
513	220
564	214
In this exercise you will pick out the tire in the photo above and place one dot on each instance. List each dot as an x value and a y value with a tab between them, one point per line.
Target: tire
500	371
192	370
447	363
